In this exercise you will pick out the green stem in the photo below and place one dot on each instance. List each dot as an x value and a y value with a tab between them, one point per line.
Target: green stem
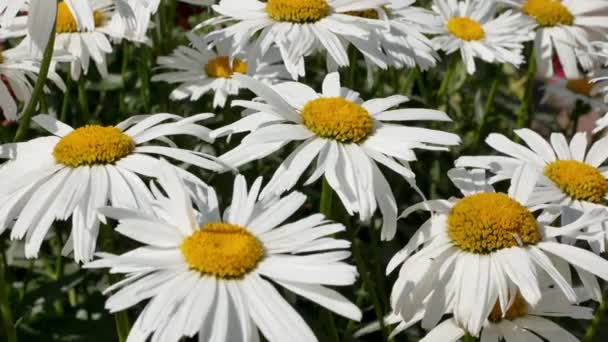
447	78
5	305
123	72
593	331
144	78
422	87
26	119
525	109
326	209
83	98
368	285
486	110
469	338
326	199
123	326
65	105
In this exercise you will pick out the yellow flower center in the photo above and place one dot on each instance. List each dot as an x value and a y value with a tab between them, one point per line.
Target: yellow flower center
338	119
548	12
369	14
581	87
91	145
1	57
298	11
220	67
486	222
66	23
519	308
578	180
222	250
465	28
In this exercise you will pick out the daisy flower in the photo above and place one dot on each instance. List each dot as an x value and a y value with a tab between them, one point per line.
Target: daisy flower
403	43
564	27
83	29
40	18
347	136
300	28
75	171
471	28
214	275
570	177
199	70
481	249
18	71
569	92
518	323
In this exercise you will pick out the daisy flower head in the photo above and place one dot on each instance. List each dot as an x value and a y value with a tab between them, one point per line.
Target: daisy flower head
18	72
518	323
571	179
39	22
403	42
472	28
211	274
481	249
564	27
74	171
347	136
300	28
568	92
83	29
200	69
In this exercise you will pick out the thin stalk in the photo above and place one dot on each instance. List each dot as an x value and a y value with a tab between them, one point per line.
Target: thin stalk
83	99
421	86
368	285
123	325
326	199
123	72
593	331
486	111
326	209
447	78
469	338
26	118
65	104
144	78
5	305
525	109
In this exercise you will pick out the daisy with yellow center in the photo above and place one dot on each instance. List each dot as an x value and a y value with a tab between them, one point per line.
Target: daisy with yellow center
328	26
571	175
563	29
347	136
564	93
476	251
83	28
198	70
73	172
473	29
197	261
519	322
17	69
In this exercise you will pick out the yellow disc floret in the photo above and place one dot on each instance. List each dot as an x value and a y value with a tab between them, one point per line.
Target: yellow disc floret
486	222
581	87
465	28
519	308
66	23
338	119
578	180
220	67
92	145
297	11
548	12
368	14
222	250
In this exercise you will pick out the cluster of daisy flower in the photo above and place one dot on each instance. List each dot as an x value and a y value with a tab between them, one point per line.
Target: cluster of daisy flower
522	241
